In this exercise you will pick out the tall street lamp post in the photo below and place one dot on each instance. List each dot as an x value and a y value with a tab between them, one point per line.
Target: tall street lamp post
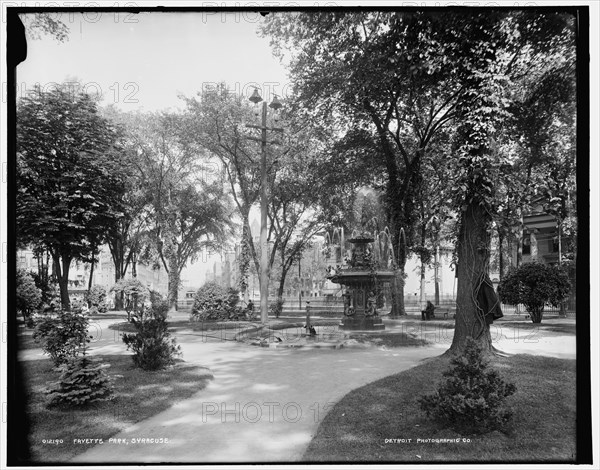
264	256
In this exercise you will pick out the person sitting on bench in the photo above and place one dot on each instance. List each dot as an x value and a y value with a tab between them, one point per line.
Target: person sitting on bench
428	313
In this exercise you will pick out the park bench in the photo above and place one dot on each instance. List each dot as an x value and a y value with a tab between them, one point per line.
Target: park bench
441	311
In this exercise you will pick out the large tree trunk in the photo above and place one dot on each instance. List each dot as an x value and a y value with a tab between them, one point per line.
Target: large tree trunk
473	259
43	268
397	285
280	289
46	277
423	265
62	275
91	280
119	296
43	272
117	256
422	285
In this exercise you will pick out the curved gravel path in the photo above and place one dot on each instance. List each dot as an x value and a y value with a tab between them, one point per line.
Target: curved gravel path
264	404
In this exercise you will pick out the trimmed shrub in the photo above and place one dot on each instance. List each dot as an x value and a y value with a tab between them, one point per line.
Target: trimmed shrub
534	285
62	335
29	296
213	302
96	299
152	345
82	381
470	400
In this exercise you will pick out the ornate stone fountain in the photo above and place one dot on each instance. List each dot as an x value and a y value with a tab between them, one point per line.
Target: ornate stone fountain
363	277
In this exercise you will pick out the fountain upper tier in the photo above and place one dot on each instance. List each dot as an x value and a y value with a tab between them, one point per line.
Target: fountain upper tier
363	279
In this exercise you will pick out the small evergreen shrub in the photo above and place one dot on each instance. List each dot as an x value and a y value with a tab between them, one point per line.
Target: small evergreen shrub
470	400
152	345
29	296
96	299
62	335
213	302
534	285
82	381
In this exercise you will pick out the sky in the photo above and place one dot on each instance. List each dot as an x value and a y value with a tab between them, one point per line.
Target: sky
144	61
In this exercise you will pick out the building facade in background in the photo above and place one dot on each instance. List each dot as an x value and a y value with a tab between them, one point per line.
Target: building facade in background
103	275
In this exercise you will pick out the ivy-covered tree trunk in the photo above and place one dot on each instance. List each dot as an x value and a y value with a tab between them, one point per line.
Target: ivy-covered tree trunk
174	278
173	288
473	259
244	261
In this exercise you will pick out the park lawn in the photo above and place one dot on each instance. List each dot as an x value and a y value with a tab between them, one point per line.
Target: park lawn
560	328
139	395
542	429
26	341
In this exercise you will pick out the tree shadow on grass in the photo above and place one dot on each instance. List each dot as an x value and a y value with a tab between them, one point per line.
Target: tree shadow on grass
139	395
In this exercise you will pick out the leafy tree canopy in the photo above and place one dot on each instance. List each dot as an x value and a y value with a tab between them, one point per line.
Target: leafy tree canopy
69	185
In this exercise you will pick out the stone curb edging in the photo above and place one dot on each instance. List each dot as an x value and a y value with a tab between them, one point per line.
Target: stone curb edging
282	326
285	325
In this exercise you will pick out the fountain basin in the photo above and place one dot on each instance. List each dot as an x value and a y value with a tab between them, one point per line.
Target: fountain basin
362	323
